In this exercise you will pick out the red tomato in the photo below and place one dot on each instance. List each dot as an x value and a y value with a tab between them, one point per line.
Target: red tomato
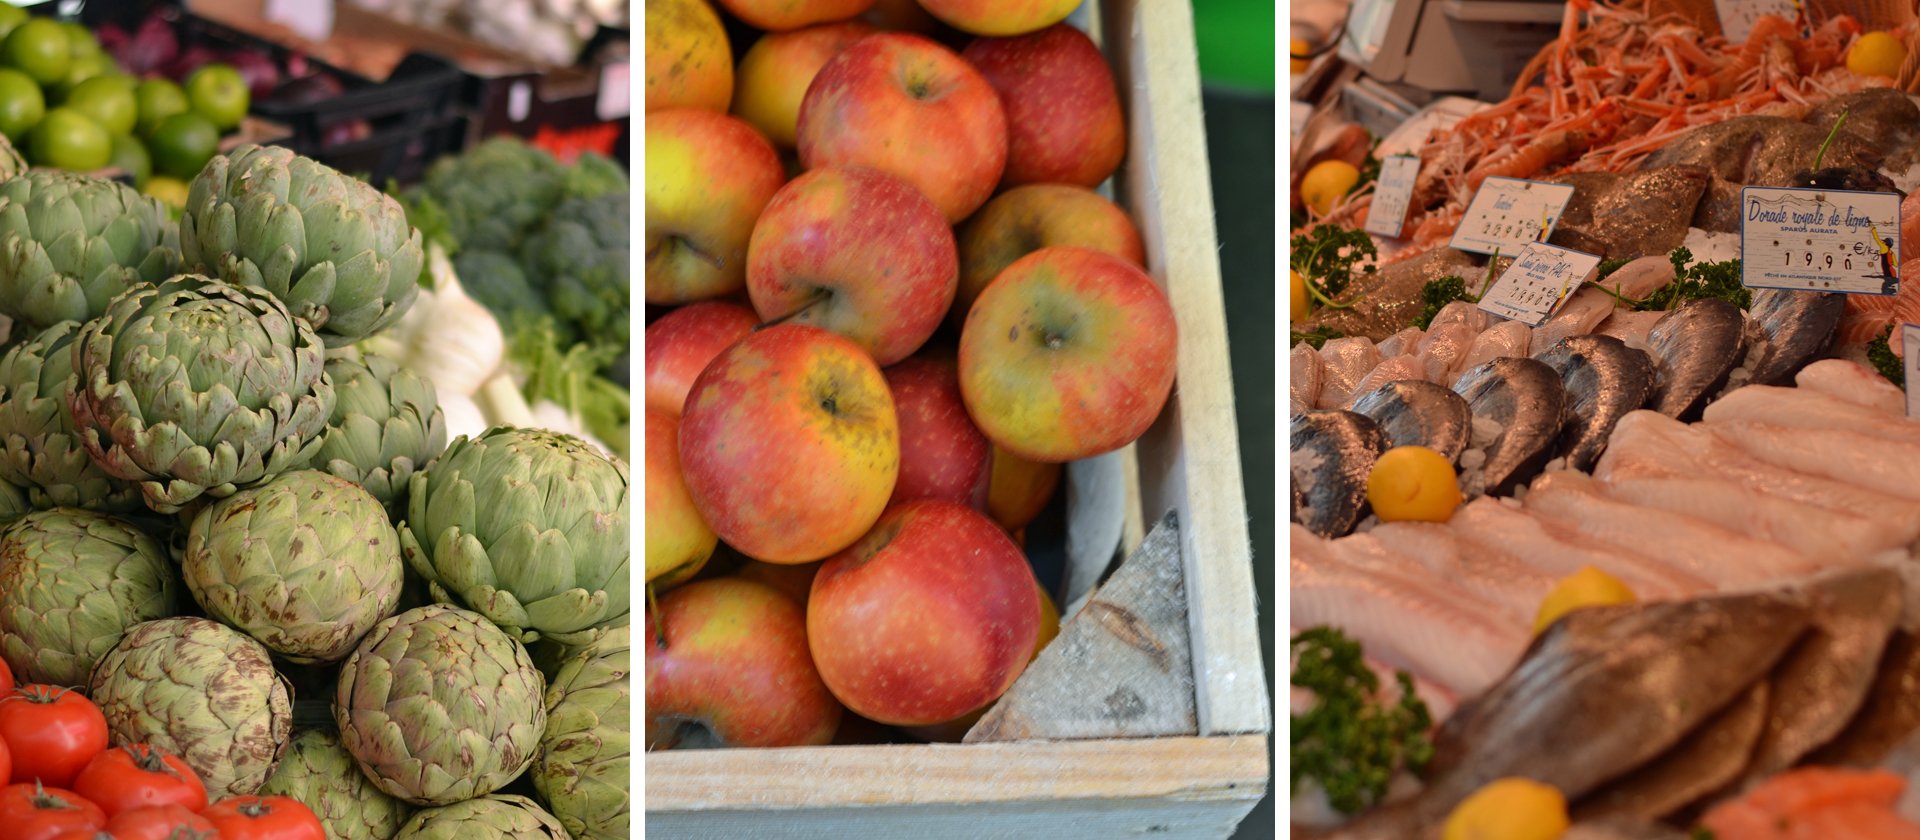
158	823
138	776
85	835
36	812
6	678
264	818
6	762
53	733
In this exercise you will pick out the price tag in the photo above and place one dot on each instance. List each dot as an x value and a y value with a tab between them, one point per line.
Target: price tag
309	19
1737	17
1391	195
1508	213
1910	350
1820	240
616	92
1534	286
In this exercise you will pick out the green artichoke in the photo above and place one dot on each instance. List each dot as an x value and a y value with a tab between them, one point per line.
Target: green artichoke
306	564
13	504
437	705
337	251
320	774
581	769
69	244
198	387
38	448
504	817
386	426
527	527
71	583
202	691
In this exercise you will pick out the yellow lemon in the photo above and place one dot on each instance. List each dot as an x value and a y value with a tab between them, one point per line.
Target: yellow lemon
171	191
1326	183
1877	54
1510	809
1588	587
1297	310
1295	48
1413	484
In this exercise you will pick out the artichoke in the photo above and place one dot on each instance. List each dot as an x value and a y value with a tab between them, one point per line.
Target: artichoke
581	769
337	251
529	528
437	705
200	690
386	426
305	563
70	243
504	817
38	448
13	503
71	583
321	775
198	387
11	162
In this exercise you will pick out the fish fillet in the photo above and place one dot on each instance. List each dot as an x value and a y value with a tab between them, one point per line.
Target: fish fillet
1402	342
1580	315
1307	372
1854	382
1444	352
1831	537
1804	408
1874	463
1497	529
1461	313
1498	578
1505	340
1631	327
1347	360
1724	558
1391	370
1641	277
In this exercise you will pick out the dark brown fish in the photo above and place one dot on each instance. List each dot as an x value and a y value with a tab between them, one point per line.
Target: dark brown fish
1332	453
1633	215
1883	118
1387	301
1755	151
1695	346
1799	327
1527	400
1891	714
1415	412
1605	380
1708	759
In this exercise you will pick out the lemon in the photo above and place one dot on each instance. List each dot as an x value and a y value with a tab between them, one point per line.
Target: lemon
1298	47
1877	54
1588	587
1298	308
1510	809
1413	484
1326	183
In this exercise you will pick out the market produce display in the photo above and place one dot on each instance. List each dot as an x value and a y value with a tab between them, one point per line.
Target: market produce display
883	315
254	579
1636	571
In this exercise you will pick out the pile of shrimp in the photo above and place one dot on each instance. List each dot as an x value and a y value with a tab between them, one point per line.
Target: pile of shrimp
1616	86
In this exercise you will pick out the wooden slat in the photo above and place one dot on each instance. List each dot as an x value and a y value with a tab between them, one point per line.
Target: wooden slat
1190	460
1173	787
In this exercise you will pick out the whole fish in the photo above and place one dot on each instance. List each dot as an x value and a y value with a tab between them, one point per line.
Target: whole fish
1380	304
1346	361
1525	398
1694	348
1307	372
1706	760
1332	453
1799	327
1888	718
1605	380
1389	371
1415	412
1629	215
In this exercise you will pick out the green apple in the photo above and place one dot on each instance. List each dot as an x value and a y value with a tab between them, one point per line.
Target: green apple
131	155
158	99
39	48
109	101
219	93
21	104
67	139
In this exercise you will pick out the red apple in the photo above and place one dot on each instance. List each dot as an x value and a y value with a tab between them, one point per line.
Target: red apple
689	62
777	69
1018	489
1000	17
1068	354
1025	219
1063	108
907	106
683	342
789	444
930	616
942	454
735	662
783	15
708	177
795	582
858	252
679	542
903	16
954	730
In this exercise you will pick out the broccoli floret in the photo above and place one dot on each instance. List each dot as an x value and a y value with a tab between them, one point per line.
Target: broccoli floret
580	255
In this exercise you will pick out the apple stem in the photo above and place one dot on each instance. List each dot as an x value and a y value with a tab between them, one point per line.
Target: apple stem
659	624
818	298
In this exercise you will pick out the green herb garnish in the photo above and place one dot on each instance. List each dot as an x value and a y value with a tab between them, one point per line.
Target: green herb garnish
1326	257
1437	294
1353	742
1316	337
1609	266
1692	281
1880	353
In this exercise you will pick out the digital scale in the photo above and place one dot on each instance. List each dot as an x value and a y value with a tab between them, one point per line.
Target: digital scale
1413	51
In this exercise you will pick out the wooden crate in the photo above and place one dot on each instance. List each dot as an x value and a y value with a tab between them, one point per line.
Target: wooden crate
1197	786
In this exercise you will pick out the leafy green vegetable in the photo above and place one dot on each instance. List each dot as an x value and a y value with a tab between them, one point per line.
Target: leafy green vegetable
568	376
1326	257
1316	337
1880	353
1697	281
1352	742
1437	294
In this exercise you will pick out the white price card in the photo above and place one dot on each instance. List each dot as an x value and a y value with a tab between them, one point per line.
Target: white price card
1818	240
1508	213
616	92
1391	195
1737	17
1534	286
309	19
1910	350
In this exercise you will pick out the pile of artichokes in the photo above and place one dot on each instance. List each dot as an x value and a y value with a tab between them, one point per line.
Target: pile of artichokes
250	541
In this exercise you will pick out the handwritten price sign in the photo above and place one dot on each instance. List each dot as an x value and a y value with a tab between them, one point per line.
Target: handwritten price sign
1737	17
1388	215
1535	285
1508	213
1820	240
